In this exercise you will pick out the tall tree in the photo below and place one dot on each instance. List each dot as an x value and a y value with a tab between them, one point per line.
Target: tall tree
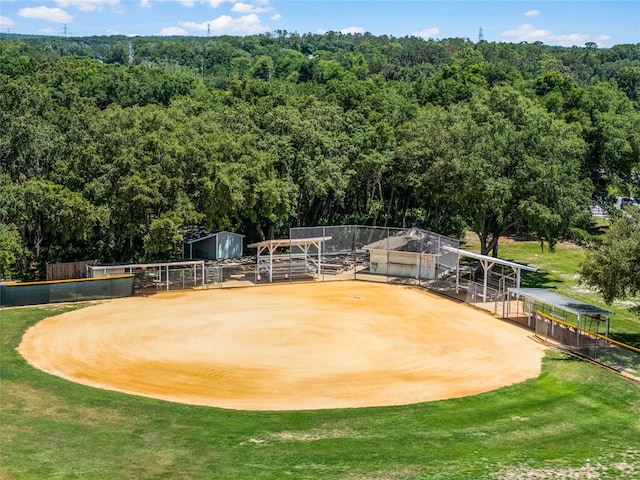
613	267
521	169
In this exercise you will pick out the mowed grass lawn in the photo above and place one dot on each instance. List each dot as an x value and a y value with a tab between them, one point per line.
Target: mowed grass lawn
574	421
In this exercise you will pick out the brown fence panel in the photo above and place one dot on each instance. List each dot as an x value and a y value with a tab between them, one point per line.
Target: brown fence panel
68	270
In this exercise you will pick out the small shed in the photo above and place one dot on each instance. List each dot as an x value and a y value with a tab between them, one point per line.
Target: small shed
212	245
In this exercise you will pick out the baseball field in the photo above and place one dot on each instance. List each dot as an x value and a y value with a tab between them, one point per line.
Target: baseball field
298	347
133	388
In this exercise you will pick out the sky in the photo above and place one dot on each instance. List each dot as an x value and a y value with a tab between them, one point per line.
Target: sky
553	22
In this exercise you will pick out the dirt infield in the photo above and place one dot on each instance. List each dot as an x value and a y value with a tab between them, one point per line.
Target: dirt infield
302	346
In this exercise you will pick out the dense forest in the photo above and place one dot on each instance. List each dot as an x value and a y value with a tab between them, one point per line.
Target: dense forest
110	147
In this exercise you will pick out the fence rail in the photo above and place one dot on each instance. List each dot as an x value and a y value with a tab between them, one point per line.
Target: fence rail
593	346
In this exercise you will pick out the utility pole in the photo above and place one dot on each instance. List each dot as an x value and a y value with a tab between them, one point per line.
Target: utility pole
132	55
480	35
208	29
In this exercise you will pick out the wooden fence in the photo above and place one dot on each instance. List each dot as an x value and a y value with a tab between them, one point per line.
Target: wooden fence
68	270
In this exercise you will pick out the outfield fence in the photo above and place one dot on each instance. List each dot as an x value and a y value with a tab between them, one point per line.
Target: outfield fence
587	344
36	293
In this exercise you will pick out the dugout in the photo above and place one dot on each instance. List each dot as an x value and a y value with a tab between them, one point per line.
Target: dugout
503	272
527	301
156	276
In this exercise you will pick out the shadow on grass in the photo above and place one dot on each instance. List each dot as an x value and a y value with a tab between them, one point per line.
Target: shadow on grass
632	339
539	279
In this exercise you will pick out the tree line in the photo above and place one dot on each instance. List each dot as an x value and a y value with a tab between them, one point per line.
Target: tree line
112	146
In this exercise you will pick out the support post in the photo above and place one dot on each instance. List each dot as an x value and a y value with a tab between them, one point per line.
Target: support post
271	263
485	268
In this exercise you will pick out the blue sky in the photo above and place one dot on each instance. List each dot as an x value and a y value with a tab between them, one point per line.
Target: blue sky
566	23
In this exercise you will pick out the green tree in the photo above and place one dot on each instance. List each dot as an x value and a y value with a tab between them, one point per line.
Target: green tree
613	267
521	168
163	241
53	221
12	251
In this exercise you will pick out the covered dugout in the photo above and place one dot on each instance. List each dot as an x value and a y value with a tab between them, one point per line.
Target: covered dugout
529	301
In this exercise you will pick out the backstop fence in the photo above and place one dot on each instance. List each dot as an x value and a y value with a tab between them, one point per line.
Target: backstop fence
36	293
380	254
593	346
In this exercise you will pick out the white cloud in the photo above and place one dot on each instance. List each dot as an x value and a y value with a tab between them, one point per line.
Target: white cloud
188	3
602	39
47	31
241	7
86	5
532	13
275	16
172	31
215	3
352	30
427	32
570	40
145	3
226	25
5	22
528	33
56	15
321	31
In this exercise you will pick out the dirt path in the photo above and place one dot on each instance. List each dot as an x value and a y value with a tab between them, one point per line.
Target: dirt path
303	346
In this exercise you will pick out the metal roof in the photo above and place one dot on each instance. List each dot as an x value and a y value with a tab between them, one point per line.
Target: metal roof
285	242
497	261
560	301
202	234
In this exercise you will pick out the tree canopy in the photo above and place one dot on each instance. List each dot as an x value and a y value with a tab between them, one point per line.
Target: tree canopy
109	155
613	267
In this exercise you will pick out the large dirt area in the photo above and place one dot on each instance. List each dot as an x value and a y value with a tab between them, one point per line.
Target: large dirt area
286	347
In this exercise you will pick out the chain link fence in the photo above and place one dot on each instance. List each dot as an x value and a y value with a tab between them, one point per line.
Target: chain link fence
593	346
393	255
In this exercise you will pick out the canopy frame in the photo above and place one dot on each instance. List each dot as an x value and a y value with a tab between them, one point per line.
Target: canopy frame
271	246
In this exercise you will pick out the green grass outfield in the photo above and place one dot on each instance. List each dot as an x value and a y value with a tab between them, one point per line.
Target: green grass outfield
574	421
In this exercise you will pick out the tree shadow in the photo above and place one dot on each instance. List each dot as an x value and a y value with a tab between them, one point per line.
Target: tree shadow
632	339
539	279
596	230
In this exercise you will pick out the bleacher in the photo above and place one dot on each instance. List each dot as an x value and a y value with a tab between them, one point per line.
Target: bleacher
291	270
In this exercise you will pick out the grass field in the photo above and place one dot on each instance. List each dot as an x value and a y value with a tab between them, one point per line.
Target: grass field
574	421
